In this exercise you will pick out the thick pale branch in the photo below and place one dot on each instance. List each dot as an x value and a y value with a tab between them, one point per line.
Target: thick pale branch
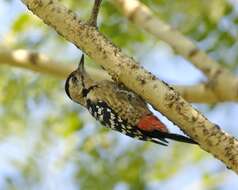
41	63
221	80
199	93
123	68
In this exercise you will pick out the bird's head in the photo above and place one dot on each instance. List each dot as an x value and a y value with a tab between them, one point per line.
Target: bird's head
77	82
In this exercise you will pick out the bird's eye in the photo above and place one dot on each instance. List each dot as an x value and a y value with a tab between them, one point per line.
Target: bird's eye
74	79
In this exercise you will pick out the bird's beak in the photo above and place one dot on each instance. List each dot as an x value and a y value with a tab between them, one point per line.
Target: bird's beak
81	64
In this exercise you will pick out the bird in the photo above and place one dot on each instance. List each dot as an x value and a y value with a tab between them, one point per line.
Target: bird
118	108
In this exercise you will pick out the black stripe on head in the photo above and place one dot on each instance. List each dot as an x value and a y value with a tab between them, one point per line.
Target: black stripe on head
66	86
87	90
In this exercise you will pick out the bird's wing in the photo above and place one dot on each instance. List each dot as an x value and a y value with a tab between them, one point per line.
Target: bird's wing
116	103
125	103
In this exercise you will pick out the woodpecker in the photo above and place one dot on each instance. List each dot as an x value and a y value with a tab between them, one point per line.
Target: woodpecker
118	108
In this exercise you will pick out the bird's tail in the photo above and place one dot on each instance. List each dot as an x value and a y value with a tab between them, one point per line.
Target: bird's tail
177	137
158	132
160	137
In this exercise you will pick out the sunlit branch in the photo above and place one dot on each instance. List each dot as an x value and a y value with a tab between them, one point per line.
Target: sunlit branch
43	64
124	69
221	81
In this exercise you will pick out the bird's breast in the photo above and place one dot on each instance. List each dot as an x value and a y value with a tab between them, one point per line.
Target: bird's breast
107	117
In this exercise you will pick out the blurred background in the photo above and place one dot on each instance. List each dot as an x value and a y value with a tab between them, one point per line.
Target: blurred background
48	142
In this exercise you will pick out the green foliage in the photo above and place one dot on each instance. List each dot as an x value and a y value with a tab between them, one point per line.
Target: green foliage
53	134
118	28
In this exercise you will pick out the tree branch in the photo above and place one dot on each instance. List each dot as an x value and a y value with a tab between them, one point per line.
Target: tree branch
123	68
221	80
199	93
43	64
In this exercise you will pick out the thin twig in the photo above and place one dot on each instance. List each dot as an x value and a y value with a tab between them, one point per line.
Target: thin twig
94	15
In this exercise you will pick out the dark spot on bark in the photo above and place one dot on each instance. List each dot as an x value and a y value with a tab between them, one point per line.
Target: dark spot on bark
215	155
148	17
232	159
217	143
132	14
194	118
77	46
193	129
166	84
33	57
171	88
58	31
205	131
47	22
38	3
228	150
153	77
115	52
217	126
130	97
236	88
104	54
193	52
207	70
217	73
134	66
169	97
142	81
209	142
50	2
70	11
58	10
179	106
99	48
172	97
89	53
232	140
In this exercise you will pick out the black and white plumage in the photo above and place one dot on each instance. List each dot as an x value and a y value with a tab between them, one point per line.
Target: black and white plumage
107	117
118	108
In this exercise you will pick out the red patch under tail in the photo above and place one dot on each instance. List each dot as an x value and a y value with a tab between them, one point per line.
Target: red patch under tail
151	123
